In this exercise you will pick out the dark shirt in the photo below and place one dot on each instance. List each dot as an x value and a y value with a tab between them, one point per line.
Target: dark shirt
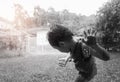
83	60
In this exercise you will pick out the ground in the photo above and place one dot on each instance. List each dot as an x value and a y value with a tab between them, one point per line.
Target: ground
44	68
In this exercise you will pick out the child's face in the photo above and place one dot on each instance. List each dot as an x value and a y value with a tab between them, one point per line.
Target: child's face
63	47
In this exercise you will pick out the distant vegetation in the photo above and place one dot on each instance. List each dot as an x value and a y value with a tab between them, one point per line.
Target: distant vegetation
109	24
106	21
43	18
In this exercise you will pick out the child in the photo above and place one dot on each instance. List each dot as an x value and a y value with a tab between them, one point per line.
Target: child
82	52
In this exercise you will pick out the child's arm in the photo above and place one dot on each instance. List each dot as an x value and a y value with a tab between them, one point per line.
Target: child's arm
95	49
63	61
99	52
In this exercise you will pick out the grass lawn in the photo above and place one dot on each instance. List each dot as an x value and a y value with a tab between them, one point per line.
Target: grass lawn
44	68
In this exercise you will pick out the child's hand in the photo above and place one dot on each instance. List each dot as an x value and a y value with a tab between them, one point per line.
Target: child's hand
62	62
90	38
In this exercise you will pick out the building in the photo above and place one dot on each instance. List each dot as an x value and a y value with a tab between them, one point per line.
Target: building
38	42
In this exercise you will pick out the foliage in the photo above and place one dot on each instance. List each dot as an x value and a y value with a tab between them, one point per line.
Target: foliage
71	20
22	18
39	16
109	22
42	18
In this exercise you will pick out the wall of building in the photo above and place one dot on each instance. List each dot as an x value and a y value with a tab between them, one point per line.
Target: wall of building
40	45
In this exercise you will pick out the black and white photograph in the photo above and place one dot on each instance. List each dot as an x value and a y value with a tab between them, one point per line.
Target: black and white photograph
59	40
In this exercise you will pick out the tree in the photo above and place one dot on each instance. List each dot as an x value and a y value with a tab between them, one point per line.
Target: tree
40	18
109	22
20	16
53	17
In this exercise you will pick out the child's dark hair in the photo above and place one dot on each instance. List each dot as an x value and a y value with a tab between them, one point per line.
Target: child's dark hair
58	33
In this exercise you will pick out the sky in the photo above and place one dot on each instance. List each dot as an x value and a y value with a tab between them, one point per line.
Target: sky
84	7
